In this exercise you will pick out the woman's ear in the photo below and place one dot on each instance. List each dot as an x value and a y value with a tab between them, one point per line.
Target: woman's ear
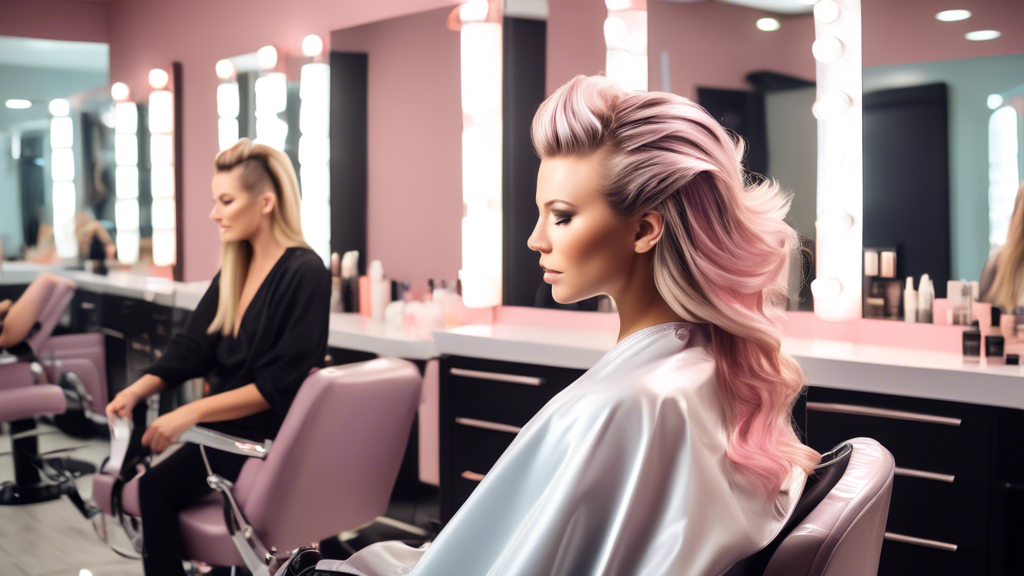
268	201
651	226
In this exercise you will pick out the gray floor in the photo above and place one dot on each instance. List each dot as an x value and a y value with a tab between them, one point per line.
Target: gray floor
52	538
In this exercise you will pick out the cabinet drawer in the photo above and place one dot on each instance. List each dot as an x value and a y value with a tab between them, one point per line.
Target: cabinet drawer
920	435
476	449
953	513
903	559
504	392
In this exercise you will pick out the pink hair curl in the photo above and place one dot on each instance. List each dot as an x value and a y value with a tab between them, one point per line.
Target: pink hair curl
724	245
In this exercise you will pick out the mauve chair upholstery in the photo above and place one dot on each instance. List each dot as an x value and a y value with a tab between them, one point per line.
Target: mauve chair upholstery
58	297
842	536
31	401
331	468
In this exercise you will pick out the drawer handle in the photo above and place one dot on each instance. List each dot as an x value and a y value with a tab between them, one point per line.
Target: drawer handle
922	474
88	306
472	476
110	332
920	542
882	412
497	377
488	425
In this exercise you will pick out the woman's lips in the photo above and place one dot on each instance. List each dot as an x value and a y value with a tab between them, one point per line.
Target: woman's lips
551	276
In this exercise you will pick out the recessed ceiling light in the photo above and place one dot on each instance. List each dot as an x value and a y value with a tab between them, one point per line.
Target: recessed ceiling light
982	35
994	101
768	24
18	104
953	15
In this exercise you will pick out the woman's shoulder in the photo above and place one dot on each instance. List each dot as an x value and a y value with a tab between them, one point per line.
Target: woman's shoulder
305	262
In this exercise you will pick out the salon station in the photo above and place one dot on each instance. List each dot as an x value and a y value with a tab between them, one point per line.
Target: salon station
407	132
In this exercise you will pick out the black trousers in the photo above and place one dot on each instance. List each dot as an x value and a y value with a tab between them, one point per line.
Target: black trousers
169	487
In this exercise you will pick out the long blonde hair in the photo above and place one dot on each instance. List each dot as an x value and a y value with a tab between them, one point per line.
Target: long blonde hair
264	169
1008	285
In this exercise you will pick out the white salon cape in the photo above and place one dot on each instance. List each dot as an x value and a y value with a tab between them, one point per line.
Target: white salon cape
623	473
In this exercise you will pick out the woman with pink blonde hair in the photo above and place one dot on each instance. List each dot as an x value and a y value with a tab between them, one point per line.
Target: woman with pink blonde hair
675	454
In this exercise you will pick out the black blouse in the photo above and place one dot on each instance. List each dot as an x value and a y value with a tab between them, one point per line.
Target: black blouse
283	334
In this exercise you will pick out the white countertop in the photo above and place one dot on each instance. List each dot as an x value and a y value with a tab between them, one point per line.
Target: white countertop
828	363
355	332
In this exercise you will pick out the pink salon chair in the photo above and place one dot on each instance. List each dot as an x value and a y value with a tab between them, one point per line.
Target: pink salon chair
331	468
75	360
839	521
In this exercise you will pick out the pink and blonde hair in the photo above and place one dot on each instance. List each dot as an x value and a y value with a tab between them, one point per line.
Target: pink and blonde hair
723	248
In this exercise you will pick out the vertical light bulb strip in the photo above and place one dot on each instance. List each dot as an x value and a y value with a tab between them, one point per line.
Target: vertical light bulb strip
227	105
481	163
271	101
62	172
840	197
315	156
625	37
161	146
126	180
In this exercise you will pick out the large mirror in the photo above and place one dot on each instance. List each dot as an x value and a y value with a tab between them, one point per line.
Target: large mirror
56	150
943	101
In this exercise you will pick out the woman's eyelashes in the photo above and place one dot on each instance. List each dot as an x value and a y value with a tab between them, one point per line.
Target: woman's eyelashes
562	218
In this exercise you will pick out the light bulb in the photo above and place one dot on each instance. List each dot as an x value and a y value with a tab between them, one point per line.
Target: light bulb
474	11
827	49
119	91
158	78
826	288
617	5
826	11
768	24
953	15
994	101
831	105
60	107
834	222
267	58
614	31
312	46
18	104
982	35
225	69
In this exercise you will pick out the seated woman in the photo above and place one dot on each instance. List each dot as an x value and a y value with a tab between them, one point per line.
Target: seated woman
256	334
18	318
675	453
1002	277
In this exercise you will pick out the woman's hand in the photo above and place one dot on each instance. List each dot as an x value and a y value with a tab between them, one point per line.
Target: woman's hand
165	430
5	305
122	404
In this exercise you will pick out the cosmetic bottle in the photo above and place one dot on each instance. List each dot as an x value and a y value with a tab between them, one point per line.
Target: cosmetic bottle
972	344
892	291
909	301
380	290
336	283
994	350
953	294
364	296
1018	321
350	281
964	314
1013	359
874	301
925	297
394	313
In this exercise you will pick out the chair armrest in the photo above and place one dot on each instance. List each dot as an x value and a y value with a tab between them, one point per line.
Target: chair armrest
225	442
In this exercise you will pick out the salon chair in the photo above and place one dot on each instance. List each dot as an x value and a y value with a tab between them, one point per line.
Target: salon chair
331	468
77	363
838	525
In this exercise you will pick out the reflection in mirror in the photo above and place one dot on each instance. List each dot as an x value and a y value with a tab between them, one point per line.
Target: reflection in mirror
748	63
942	153
56	150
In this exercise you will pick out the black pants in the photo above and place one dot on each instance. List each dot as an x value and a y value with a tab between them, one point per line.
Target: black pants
170	486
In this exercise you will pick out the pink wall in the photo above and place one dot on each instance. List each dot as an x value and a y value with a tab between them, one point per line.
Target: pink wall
716	45
56	20
575	40
415	145
145	35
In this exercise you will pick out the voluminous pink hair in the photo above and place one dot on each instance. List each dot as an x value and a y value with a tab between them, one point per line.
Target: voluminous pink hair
723	248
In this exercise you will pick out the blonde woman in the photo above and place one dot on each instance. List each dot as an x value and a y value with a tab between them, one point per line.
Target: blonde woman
255	335
1002	278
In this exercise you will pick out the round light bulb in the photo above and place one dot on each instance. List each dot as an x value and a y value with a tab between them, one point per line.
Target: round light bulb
827	49
158	78
768	24
267	58
826	11
614	30
119	91
18	104
617	5
831	105
994	101
982	35
953	15
474	11
834	222
826	288
312	46
60	107
225	69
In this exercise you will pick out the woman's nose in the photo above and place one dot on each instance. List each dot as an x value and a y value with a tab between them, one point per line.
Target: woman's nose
214	214
536	241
